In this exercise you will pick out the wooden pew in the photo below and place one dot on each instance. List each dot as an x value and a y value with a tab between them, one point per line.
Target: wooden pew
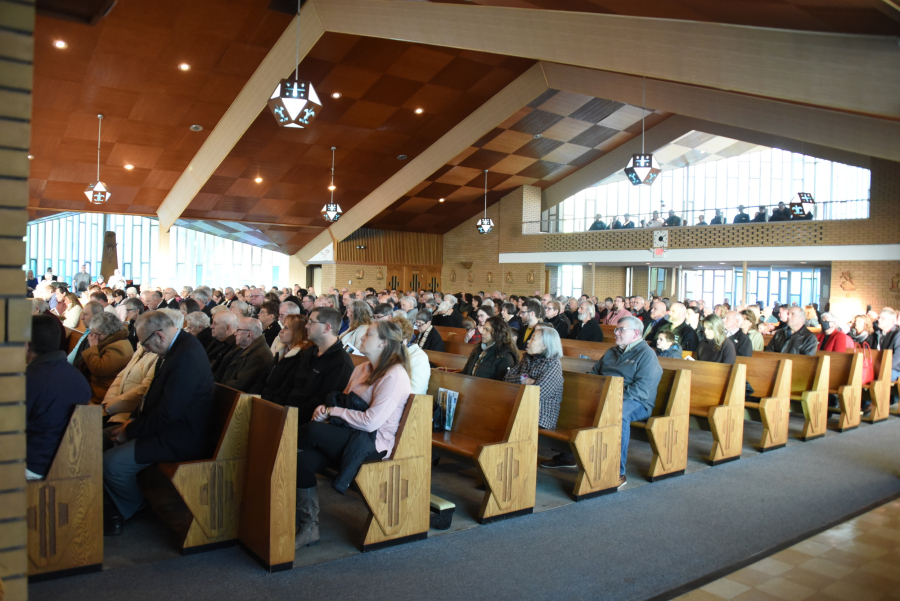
590	420
65	509
845	381
496	425
770	379
667	428
397	491
447	360
266	528
212	489
72	338
717	404
453	334
880	388
809	389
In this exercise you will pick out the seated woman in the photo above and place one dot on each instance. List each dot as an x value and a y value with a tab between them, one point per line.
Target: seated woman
420	368
510	315
383	383
541	366
442	316
692	316
69	310
108	353
359	316
197	325
831	338
862	331
473	336
666	345
428	339
188	306
496	354
277	381
748	326
127	391
715	346
812	321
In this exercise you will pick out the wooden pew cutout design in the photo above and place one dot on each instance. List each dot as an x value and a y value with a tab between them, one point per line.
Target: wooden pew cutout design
845	381
809	388
65	509
771	382
213	489
397	491
717	404
880	387
267	527
590	420
496	424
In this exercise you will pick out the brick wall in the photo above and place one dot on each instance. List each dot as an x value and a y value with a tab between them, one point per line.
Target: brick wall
345	272
329	277
869	283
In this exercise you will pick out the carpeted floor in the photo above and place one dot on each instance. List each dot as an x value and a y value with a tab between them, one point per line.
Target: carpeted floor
644	542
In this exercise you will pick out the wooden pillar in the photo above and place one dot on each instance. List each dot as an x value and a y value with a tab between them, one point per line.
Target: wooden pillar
17	47
744	286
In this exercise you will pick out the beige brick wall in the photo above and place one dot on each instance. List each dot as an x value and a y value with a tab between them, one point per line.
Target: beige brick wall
870	283
345	272
329	278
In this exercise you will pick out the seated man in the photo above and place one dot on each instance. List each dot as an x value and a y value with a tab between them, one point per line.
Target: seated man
655	221
673	220
531	315
268	317
741	216
636	363
685	335
52	389
224	325
889	338
782	213
742	344
656	323
794	339
172	423
324	367
242	368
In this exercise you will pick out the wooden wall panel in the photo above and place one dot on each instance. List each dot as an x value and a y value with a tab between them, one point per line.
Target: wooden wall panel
15	114
384	247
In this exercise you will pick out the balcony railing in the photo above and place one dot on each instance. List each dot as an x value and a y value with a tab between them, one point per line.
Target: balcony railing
820	211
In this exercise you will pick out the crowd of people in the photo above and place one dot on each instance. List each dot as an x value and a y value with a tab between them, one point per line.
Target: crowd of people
151	358
780	213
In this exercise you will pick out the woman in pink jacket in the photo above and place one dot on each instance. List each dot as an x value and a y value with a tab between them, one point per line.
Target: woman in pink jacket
383	383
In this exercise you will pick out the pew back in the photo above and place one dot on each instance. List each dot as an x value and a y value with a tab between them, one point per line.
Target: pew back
710	382
809	386
446	360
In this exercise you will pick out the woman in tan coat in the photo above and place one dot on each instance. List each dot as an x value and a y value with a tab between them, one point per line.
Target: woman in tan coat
128	389
108	352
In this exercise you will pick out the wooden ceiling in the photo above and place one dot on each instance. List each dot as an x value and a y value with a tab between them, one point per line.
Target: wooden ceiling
874	17
553	136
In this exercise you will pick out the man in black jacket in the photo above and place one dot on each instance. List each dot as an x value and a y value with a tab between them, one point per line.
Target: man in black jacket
889	339
742	344
717	220
324	367
685	335
656	322
795	339
173	422
639	310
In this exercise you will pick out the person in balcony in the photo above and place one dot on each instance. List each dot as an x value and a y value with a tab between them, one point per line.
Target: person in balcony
598	224
628	223
673	219
741	217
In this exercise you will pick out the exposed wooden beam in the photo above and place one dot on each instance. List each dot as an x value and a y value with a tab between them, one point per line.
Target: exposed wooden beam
496	110
277	65
853	73
655	138
854	133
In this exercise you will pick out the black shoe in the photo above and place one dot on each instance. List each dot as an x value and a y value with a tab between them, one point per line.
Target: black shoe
113	524
558	462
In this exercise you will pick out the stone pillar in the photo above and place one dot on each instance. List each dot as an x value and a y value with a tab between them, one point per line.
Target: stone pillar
163	267
296	271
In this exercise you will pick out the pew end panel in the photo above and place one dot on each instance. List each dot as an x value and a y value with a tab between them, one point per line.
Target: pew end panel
397	491
509	468
727	420
667	428
267	526
845	381
880	389
64	517
808	375
771	382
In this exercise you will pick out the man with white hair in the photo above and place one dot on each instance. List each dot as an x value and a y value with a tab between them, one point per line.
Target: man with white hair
794	339
636	363
242	367
742	343
889	338
201	295
170	299
224	325
410	306
151	299
229	296
454	319
240	308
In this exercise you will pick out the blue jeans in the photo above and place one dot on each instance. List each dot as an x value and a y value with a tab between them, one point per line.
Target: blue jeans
895	374
120	472
632	411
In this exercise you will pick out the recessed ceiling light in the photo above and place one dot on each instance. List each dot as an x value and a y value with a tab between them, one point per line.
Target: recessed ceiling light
419	111
536	136
258	180
60	44
332	187
336	95
30	157
196	128
402	157
721	263
184	67
441	200
129	167
803	262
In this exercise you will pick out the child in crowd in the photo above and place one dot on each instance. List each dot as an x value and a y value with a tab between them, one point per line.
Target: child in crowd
666	345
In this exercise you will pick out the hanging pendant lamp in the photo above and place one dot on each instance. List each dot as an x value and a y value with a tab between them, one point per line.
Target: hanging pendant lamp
97	192
332	211
484	224
642	168
294	103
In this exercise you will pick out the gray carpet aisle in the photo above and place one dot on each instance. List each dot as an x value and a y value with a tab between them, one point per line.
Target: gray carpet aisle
637	544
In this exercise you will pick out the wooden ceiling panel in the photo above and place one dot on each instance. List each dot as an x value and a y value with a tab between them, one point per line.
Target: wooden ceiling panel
419	64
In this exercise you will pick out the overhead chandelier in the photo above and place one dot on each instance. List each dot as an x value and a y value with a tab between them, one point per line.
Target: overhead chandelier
484	224
642	168
332	211
294	103
97	192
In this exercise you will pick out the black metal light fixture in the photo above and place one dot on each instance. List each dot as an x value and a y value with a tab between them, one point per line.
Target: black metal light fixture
484	224
294	103
642	168
97	192
332	211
